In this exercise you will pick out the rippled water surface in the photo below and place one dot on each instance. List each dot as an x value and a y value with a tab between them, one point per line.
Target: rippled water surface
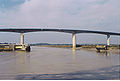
58	61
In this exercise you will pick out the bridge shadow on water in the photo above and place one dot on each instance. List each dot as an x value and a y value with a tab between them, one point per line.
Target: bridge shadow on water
108	73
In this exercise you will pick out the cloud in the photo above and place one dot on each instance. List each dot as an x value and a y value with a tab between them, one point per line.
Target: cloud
72	14
75	14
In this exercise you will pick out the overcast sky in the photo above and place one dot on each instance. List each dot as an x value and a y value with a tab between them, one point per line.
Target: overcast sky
71	14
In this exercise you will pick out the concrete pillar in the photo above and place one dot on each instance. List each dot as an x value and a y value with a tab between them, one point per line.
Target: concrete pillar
108	39
22	38
74	41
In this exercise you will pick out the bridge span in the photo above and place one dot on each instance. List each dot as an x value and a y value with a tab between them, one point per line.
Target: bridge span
71	31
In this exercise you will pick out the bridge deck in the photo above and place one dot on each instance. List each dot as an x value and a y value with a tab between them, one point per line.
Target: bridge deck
58	30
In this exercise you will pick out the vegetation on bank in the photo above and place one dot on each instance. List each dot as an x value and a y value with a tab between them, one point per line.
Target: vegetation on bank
69	45
78	45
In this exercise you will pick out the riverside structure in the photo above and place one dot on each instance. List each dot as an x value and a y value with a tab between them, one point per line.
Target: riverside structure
71	31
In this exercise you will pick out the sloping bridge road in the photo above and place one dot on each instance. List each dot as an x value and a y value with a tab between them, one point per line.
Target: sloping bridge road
71	31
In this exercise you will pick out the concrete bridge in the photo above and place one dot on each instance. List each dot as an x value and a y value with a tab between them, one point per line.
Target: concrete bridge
71	31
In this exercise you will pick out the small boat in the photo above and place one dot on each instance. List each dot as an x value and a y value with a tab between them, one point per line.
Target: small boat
101	48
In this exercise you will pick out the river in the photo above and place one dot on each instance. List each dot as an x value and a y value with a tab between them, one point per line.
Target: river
59	63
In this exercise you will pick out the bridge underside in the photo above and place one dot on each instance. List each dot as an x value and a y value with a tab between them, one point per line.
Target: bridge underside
73	32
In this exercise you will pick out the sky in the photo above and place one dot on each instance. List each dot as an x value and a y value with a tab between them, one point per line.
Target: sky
103	15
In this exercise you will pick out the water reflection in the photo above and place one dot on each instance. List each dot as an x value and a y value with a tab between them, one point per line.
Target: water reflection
74	52
109	52
104	53
22	61
14	62
74	55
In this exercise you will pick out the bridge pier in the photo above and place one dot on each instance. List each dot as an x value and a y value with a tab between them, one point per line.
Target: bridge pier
108	40
22	39
74	41
23	46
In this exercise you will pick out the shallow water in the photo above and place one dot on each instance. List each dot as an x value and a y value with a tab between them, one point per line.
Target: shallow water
47	60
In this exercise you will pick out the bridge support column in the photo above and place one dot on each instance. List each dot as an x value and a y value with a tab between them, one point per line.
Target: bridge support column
74	41
22	38
108	40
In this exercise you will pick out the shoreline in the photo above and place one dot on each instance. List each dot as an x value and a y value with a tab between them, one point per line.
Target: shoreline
102	47
79	46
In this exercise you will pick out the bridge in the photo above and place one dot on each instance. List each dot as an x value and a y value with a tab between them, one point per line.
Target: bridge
71	31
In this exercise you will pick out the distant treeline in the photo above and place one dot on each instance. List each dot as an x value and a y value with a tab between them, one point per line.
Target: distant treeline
37	44
7	43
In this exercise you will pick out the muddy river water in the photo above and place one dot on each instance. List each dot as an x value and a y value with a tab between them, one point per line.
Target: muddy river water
59	63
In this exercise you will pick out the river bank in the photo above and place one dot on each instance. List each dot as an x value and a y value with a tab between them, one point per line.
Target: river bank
79	46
